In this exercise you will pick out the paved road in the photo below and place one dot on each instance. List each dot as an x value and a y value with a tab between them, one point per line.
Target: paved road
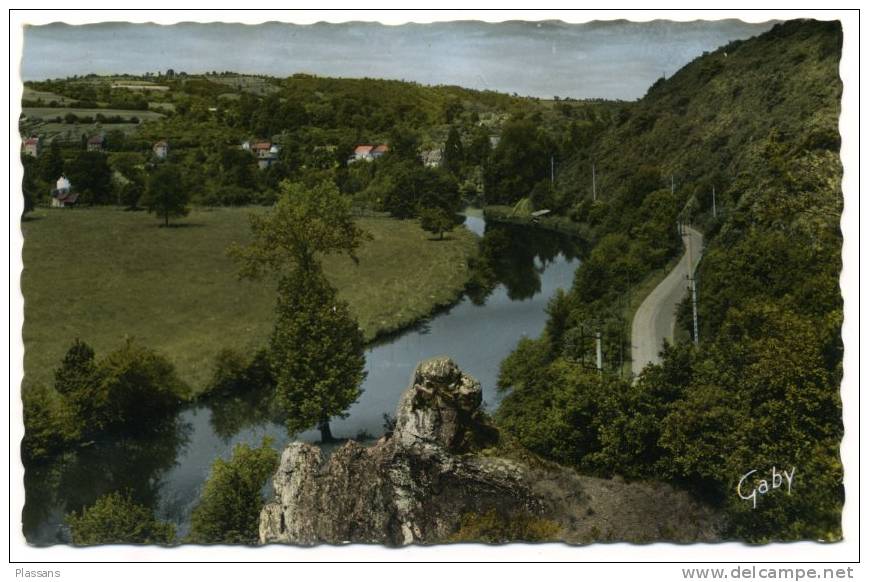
655	319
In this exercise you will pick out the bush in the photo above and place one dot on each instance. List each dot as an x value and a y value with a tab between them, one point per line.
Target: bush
48	422
137	384
229	509
117	519
131	386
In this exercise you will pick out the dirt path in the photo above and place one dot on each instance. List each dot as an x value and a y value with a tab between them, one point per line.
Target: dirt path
655	319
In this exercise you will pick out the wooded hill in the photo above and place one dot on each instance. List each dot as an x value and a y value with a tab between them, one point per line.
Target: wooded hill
756	119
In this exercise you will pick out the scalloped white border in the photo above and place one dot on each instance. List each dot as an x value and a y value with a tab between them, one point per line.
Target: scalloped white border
804	551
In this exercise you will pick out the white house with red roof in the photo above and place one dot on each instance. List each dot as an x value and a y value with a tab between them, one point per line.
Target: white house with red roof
366	152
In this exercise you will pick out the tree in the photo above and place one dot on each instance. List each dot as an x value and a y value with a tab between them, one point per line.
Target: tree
132	386
51	164
436	221
520	161
317	350
229	509
29	185
137	386
77	380
165	194
91	176
454	155
303	223
116	519
316	346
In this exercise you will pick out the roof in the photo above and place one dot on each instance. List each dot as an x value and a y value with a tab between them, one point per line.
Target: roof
161	143
67	197
31	141
363	149
261	144
381	149
97	139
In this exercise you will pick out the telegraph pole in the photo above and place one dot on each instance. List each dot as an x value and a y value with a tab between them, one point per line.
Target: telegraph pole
714	208
692	279
694	305
552	170
672	184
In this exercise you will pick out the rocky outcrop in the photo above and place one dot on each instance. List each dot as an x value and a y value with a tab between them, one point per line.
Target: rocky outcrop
413	486
418	484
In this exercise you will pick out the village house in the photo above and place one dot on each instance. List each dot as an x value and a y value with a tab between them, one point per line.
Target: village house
62	195
265	152
96	143
161	149
31	146
379	151
367	152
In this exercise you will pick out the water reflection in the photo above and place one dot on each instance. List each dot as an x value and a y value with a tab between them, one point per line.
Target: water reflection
134	463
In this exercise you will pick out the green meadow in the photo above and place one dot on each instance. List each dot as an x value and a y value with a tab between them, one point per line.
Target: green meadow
103	274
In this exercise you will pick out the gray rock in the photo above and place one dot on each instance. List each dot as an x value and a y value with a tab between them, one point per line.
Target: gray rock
412	487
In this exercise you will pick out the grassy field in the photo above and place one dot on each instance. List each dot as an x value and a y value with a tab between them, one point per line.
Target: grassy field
103	274
54	112
46	96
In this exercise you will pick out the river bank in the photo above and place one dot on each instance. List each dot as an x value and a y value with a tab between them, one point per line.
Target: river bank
555	223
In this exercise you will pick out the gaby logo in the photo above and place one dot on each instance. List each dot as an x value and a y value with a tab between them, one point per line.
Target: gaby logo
763	486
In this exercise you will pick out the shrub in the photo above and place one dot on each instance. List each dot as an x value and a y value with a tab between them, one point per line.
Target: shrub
138	384
117	519
48	422
229	509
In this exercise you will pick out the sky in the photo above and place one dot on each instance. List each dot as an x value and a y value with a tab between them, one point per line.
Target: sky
612	59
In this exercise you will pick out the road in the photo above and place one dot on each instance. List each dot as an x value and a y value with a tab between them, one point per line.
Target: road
655	319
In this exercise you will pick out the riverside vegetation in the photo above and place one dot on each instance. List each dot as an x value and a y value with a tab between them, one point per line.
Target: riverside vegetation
756	120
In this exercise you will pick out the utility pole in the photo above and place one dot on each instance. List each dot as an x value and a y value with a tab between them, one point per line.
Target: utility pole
599	351
692	279
694	306
593	185
672	184
552	170
714	209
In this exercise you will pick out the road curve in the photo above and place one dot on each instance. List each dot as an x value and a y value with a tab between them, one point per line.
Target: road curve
655	320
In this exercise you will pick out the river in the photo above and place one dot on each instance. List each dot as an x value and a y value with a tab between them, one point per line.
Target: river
524	268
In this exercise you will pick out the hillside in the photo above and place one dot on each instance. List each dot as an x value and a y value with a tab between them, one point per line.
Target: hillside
756	120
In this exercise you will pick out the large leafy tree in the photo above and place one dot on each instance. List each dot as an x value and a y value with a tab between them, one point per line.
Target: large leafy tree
317	349
51	164
520	160
305	222
454	155
166	195
91	176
